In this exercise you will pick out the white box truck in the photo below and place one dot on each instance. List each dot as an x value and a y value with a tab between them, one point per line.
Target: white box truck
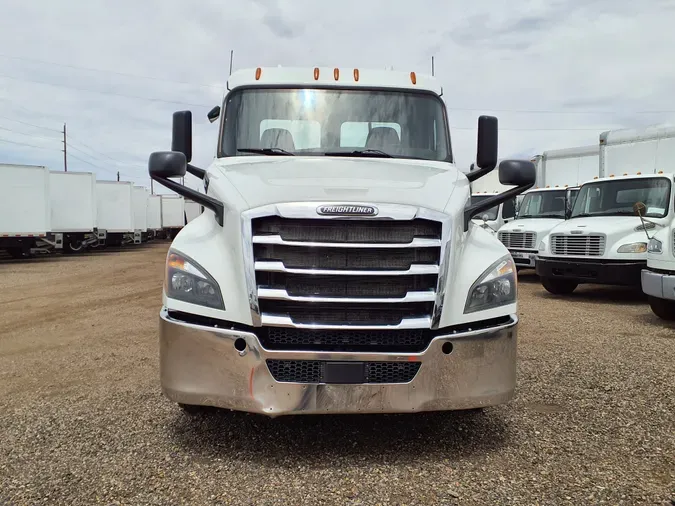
604	241
73	207
336	267
192	210
494	218
24	208
140	204
115	214
559	174
154	215
173	214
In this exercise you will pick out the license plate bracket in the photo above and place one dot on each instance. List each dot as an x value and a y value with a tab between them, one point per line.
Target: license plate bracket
345	373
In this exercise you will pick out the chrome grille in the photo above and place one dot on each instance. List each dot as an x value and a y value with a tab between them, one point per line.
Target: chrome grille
578	245
341	273
518	240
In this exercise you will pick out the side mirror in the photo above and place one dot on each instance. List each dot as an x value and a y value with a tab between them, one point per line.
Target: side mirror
181	138
213	114
165	164
488	142
517	173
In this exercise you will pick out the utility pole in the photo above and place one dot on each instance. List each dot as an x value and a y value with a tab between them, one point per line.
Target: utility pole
432	65
118	175
152	187
231	58
65	150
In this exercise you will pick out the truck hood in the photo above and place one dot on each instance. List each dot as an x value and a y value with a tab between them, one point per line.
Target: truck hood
536	225
260	181
607	225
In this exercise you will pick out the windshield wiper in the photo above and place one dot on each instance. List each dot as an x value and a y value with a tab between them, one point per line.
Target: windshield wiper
360	152
266	151
551	215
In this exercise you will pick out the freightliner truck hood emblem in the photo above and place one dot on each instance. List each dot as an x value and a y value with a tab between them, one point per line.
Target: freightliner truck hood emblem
346	210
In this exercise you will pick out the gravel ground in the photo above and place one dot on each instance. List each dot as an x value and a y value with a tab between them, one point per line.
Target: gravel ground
82	419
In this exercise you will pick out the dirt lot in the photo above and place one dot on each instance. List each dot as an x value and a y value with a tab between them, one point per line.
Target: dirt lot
82	419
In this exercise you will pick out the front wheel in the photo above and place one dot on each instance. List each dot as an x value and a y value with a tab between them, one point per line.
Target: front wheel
663	308
559	286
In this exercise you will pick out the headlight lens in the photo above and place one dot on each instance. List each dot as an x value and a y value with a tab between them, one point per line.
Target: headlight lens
654	246
186	281
496	287
634	247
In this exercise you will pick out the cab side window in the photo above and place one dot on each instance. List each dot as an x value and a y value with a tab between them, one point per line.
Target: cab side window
509	209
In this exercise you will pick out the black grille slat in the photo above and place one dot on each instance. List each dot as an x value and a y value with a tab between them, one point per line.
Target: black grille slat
349	231
346	286
361	314
297	257
312	371
409	340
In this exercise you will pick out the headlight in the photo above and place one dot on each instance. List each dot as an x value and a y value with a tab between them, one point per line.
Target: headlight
187	281
634	247
496	287
654	246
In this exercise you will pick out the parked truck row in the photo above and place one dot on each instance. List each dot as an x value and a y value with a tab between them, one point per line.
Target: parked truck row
602	214
44	211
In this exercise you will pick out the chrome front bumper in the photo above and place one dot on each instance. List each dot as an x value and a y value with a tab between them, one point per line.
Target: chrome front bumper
200	365
523	258
658	285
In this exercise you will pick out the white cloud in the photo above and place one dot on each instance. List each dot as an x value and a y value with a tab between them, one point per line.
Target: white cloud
560	60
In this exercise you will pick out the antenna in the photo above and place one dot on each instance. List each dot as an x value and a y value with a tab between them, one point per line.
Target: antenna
231	58
432	66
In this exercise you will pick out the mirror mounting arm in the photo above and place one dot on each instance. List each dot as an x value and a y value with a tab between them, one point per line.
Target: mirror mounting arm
473	175
214	205
486	204
196	171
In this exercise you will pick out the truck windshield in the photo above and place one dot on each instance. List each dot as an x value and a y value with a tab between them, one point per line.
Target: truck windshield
543	204
616	198
492	212
335	122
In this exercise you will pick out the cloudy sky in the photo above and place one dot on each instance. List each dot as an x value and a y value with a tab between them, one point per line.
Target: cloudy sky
555	72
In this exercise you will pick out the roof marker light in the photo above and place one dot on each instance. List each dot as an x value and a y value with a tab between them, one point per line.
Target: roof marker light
660	172
413	78
556	186
611	175
639	173
625	173
595	177
566	186
356	74
316	73
548	186
258	72
336	73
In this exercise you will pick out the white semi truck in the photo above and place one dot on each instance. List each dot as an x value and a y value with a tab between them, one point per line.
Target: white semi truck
496	217
559	174
336	267
25	216
73	208
604	241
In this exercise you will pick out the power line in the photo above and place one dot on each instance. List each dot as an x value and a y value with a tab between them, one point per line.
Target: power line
31	124
149	99
94	165
29	145
89	69
28	135
101	153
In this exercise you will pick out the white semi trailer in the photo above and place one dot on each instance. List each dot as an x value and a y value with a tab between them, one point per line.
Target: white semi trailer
336	267
559	174
73	208
192	210
115	212
25	216
173	214
154	215
604	241
140	206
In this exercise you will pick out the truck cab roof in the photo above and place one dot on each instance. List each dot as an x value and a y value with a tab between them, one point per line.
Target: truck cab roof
333	77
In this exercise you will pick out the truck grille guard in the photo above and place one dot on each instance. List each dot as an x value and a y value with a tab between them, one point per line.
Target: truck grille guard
317	272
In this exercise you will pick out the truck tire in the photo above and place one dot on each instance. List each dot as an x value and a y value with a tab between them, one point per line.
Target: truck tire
662	308
73	245
559	286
